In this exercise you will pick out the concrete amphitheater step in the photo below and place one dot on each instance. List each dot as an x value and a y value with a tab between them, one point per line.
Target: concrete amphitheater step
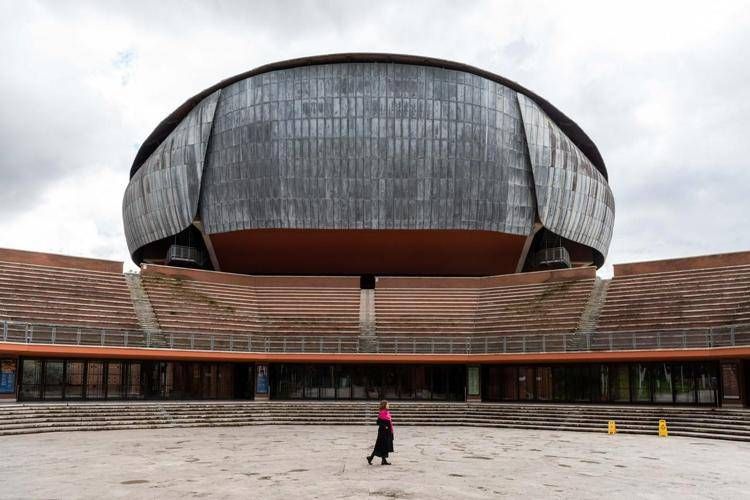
60	417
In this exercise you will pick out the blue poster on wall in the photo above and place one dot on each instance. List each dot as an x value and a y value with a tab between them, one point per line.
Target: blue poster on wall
7	376
261	381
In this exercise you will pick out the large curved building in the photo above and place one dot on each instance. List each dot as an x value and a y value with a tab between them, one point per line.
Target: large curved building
368	164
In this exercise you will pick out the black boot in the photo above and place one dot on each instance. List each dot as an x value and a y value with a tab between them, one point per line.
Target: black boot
385	462
369	459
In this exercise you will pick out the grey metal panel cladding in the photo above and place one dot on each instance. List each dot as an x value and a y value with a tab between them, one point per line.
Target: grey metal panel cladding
367	146
573	198
162	197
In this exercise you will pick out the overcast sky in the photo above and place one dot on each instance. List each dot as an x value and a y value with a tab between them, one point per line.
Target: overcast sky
662	88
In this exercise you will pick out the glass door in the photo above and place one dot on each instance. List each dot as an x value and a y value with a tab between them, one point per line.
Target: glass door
53	379
95	380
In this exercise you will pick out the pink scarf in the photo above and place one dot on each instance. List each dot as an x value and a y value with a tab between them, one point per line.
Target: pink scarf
386	415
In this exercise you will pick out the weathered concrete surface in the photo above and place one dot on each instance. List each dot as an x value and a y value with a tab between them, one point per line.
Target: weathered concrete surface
328	462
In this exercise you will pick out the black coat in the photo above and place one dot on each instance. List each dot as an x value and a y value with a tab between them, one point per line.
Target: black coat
384	443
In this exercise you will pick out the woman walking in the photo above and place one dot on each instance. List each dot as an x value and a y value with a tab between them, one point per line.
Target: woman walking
384	443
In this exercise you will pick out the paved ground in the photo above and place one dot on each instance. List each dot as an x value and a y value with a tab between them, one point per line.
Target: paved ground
328	462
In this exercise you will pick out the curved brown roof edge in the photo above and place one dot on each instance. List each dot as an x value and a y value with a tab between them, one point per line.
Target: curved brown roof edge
568	126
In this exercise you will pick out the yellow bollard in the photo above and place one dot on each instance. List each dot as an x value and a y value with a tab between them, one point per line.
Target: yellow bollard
663	428
611	427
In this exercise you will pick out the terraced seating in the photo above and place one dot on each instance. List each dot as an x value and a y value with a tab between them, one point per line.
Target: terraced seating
677	298
527	304
261	306
65	296
690	422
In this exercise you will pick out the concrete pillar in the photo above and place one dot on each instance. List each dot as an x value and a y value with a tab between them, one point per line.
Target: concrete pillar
473	383
262	382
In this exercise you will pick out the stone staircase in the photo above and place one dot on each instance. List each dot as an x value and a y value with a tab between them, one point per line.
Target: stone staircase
143	310
729	424
590	316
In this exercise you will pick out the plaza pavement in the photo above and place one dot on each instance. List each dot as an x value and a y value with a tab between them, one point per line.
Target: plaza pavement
328	462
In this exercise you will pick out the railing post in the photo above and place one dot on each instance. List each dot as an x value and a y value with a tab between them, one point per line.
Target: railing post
212	342
486	346
249	343
684	339
588	340
303	343
192	341
125	339
523	343
321	345
54	334
339	351
231	342
658	338
450	346
432	346
267	346
102	336
611	342
505	345
283	345
414	345
634	344
171	340
708	337
148	339
78	336
731	336
544	343
468	346
396	346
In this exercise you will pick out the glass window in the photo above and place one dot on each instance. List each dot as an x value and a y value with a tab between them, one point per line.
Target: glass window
390	382
31	379
707	383
225	381
526	383
422	382
53	379
640	382
601	387
359	382
95	380
439	382
134	388
114	380
406	382
473	381
662	380
74	379
619	383
544	383
559	388
491	381
730	380
312	387
327	381
7	376
683	382
343	383
509	378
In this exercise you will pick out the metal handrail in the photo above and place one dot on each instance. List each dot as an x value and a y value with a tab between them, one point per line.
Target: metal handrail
695	338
